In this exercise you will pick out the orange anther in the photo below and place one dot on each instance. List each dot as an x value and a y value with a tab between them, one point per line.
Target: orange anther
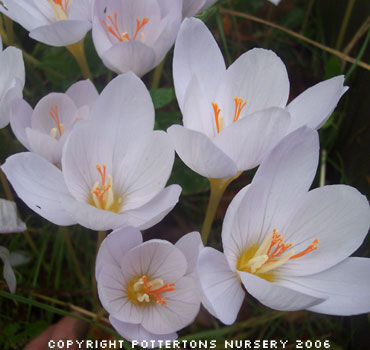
53	111
166	288
216	111
65	6
310	248
239	105
100	190
139	26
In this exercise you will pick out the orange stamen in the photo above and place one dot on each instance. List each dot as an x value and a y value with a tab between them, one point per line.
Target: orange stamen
114	30
54	114
166	288
99	192
216	111
309	249
65	6
239	105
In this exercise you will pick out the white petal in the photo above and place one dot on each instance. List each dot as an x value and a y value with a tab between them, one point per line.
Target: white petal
125	100
155	259
282	179
182	307
44	145
259	77
314	106
221	288
83	93
9	220
346	287
20	119
130	56
191	245
115	246
61	33
196	53
40	185
200	154
276	296
338	216
112	284
13	93
248	141
11	61
8	272
138	333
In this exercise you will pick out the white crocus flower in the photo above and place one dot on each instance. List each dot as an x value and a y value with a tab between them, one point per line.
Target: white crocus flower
52	22
191	8
149	289
45	129
12	77
114	166
233	117
135	35
289	247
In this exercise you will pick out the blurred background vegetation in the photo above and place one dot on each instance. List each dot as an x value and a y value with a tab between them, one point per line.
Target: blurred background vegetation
50	287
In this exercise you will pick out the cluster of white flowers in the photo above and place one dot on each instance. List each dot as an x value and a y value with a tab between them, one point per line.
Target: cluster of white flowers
96	160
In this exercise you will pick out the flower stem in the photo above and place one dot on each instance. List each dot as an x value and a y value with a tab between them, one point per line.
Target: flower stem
78	52
218	187
75	262
343	28
157	75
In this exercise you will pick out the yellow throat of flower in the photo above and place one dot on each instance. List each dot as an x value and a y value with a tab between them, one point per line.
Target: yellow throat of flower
144	291
102	196
264	259
60	8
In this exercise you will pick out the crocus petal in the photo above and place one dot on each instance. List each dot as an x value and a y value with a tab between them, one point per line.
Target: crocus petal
40	185
11	59
8	272
115	246
44	145
200	154
112	291
138	333
133	108
182	307
11	94
282	179
130	56
191	245
20	119
276	296
222	290
338	216
346	287
314	106
83	93
61	33
196	53
259	77
157	259
9	221
248	140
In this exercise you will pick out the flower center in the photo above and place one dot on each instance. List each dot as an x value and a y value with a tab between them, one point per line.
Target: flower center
114	30
102	196
60	8
271	254
53	111
142	291
219	119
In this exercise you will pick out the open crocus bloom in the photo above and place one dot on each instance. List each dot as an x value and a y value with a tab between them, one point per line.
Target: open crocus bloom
192	7
114	166
149	289
45	129
135	35
233	117
53	22
288	247
12	77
